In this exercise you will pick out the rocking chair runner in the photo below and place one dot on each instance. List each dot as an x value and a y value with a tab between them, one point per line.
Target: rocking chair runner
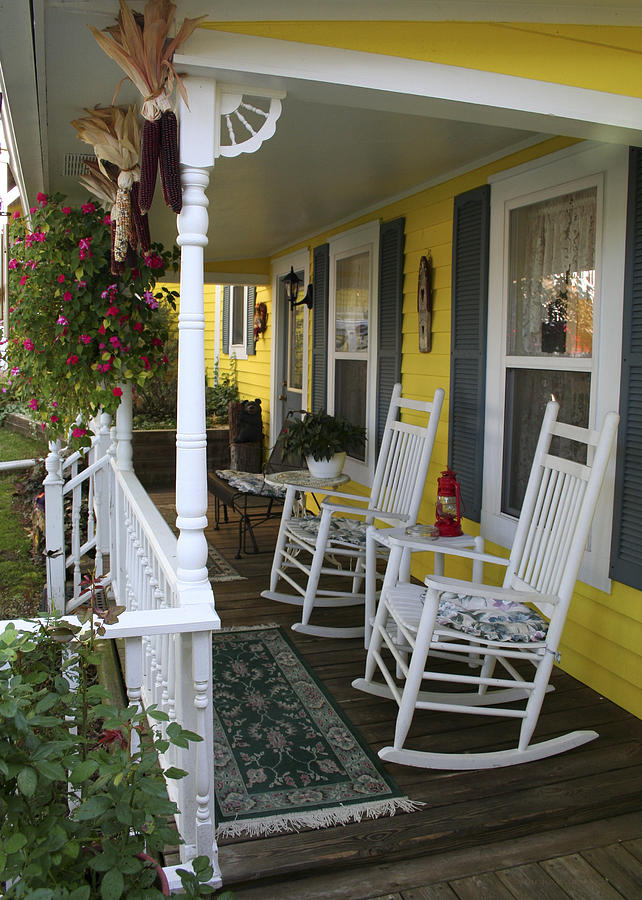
332	544
481	626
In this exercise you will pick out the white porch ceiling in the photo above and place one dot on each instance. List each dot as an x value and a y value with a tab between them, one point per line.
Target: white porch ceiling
337	150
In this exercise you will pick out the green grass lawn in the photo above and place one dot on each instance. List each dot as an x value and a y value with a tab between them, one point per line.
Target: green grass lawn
21	579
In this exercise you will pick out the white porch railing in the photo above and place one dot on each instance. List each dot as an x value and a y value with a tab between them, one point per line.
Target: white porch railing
168	639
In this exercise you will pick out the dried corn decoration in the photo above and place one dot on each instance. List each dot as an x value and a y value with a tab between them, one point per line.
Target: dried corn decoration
114	134
141	46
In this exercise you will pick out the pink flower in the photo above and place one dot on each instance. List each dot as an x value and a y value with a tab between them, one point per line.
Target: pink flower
81	284
101	330
13	263
15	370
150	300
79	432
33	403
72	360
145	362
33	209
40	236
16	215
137	326
67	296
107	219
115	342
31	263
23	280
117	392
156	342
66	210
85	339
60	279
54	403
113	311
62	321
54	419
88	208
28	344
153	261
41	198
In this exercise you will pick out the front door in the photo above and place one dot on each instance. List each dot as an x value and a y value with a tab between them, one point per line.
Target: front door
292	354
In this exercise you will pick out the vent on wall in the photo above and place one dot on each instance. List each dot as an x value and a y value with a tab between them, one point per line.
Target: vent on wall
75	164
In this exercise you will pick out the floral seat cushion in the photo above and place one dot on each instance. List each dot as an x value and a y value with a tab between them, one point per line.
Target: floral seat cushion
492	620
251	483
350	532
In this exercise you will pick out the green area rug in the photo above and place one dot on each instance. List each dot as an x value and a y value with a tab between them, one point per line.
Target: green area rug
285	756
218	568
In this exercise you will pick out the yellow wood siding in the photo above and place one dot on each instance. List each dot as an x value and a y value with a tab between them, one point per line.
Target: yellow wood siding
604	58
602	643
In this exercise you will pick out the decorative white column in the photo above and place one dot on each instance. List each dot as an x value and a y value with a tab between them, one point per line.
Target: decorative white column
197	157
124	430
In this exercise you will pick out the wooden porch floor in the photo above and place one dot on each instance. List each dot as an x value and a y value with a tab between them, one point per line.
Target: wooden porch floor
565	826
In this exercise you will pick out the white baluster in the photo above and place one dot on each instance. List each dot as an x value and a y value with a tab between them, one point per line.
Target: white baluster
204	781
133	680
54	529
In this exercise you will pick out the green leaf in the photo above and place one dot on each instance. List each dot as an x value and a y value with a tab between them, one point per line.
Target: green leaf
92	808
41	894
50	771
112	885
81	893
83	771
14	843
8	708
173	772
157	714
3	861
27	781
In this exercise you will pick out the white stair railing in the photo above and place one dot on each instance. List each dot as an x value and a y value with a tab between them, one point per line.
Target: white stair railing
168	640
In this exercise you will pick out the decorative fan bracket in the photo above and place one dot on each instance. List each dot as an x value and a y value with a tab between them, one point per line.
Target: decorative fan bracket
247	117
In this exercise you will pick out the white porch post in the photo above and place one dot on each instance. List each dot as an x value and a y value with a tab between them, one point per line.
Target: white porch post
197	136
54	530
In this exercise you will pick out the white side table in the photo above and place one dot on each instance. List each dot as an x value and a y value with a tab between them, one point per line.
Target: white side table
400	545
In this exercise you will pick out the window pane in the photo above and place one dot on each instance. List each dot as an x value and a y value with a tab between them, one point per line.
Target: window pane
350	392
527	393
238	315
552	277
352	302
295	354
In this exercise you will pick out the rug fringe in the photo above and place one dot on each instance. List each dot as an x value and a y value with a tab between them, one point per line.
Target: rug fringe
319	818
249	627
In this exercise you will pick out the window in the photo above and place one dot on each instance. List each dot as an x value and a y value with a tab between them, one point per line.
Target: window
238	320
554	323
352	351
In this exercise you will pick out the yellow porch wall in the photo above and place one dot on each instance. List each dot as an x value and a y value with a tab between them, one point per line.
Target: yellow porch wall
604	58
602	643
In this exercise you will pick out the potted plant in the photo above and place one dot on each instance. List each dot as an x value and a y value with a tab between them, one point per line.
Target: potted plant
77	332
324	441
81	812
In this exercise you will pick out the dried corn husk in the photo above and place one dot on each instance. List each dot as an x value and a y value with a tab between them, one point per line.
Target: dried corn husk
114	133
100	185
143	49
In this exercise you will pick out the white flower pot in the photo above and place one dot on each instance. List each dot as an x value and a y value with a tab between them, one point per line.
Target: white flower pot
326	468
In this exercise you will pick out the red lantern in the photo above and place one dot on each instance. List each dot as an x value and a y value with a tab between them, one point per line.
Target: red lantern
448	506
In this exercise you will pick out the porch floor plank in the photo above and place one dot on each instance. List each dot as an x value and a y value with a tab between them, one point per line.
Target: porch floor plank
473	824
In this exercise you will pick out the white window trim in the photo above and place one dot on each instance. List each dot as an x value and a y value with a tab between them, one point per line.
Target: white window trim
592	164
348	243
281	267
238	350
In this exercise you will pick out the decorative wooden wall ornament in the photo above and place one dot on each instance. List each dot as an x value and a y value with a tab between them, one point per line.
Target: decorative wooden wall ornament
424	304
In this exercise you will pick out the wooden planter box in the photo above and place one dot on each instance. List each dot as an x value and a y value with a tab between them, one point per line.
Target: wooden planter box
154	455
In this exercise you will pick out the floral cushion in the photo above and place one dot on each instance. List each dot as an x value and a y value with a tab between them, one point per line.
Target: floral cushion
250	483
351	532
492	620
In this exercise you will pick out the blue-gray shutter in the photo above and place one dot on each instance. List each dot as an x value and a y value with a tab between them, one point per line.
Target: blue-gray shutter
226	319
626	560
249	322
391	259
469	317
321	286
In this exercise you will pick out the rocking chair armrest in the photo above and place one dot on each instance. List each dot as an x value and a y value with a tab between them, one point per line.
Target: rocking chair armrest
369	511
442	583
359	498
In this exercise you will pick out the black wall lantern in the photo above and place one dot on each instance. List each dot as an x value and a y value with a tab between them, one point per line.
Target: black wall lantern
291	283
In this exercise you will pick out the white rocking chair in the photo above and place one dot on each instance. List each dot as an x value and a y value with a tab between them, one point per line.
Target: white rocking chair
479	626
331	544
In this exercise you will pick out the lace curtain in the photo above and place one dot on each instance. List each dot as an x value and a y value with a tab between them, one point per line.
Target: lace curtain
552	245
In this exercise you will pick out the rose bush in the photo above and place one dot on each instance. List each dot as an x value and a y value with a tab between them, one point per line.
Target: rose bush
78	332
